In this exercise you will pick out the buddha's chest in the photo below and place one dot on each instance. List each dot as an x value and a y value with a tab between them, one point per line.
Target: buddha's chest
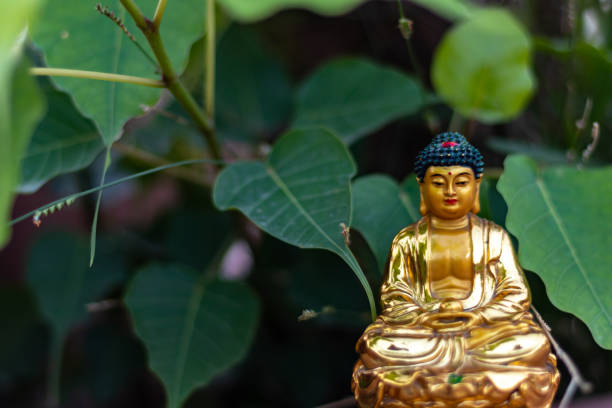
451	272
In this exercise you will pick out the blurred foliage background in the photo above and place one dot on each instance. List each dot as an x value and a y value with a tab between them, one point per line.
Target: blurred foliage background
267	323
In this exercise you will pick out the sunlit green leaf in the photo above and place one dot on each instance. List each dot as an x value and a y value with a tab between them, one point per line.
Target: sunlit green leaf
59	274
300	194
354	96
381	208
561	218
85	39
20	109
21	105
193	330
482	66
249	10
64	141
451	9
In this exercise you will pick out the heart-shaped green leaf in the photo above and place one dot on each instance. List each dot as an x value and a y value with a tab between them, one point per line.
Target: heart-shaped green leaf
301	194
381	208
354	96
59	273
85	39
482	66
21	105
63	142
193	330
254	98
249	10
561	218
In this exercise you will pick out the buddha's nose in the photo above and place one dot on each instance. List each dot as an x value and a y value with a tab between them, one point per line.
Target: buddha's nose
450	190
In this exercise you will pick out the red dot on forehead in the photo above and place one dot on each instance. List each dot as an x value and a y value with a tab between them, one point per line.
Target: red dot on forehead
449	173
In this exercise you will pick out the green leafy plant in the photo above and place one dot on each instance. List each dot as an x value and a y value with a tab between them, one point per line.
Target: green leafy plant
191	91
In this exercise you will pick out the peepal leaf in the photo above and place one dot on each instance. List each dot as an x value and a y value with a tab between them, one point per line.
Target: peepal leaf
63	142
300	194
253	97
381	208
193	330
64	37
493	82
21	105
561	218
249	10
354	96
59	274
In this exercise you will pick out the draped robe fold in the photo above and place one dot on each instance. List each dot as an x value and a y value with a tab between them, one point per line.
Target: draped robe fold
401	360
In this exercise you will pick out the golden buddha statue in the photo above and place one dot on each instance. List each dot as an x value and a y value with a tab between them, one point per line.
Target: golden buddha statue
455	328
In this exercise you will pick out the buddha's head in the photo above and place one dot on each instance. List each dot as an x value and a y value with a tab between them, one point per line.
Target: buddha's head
449	172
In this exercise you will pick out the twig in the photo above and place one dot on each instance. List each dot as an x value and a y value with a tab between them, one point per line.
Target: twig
111	15
577	377
170	78
159	12
101	76
151	159
102	305
343	403
588	152
72	197
569	394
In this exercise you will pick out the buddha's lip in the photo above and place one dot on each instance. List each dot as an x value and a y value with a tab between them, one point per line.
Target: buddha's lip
450	200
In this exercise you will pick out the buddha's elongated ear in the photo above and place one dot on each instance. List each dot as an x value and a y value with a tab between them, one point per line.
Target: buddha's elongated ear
422	206
476	207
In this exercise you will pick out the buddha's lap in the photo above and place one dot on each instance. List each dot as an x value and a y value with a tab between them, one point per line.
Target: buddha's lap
524	344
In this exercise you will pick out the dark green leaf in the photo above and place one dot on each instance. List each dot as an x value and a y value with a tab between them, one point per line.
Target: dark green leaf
192	330
561	218
537	152
381	208
84	39
60	276
64	141
300	195
254	97
482	67
249	10
354	96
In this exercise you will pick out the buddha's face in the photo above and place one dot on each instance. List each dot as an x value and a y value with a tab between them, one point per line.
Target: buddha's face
449	192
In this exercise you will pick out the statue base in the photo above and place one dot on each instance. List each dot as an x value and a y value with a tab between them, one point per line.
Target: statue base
387	387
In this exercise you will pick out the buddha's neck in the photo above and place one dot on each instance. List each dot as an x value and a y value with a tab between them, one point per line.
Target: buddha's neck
458	223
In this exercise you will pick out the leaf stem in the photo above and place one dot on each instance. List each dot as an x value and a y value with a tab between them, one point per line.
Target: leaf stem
209	83
171	80
114	183
101	76
159	12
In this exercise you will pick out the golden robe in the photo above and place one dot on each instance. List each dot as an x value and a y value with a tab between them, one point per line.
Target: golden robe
503	360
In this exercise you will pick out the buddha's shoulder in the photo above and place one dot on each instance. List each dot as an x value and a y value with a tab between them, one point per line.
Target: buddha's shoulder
411	231
496	233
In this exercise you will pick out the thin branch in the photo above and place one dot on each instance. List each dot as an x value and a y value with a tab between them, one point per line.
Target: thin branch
111	15
171	80
149	158
209	82
343	403
70	198
159	12
569	394
101	76
577	377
